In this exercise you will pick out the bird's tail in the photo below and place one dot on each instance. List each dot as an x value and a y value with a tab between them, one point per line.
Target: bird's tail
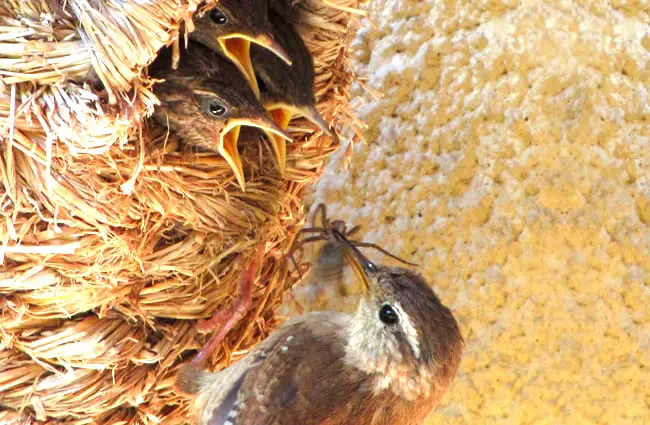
188	379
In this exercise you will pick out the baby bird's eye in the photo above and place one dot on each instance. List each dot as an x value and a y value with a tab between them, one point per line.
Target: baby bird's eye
218	17
214	108
387	314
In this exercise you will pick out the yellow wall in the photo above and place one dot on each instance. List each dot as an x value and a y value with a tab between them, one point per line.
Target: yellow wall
511	156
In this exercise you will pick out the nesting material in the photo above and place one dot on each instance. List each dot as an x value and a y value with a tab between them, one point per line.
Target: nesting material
112	241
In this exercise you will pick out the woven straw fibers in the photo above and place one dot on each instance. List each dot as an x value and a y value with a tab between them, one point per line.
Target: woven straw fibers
112	241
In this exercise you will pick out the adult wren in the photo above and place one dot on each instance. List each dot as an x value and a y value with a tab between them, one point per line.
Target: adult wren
287	90
206	101
229	29
388	363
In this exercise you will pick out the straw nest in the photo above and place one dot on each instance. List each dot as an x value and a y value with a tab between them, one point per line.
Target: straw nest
113	243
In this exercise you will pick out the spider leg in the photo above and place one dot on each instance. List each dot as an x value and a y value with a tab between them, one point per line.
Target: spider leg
298	243
322	209
299	247
380	249
353	230
296	239
313	230
314	239
296	266
304	241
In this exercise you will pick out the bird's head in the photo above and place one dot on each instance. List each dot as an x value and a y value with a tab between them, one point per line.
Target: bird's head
231	26
207	107
402	333
287	90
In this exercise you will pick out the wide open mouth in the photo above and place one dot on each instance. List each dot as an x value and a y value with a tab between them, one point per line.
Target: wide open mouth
229	137
283	113
237	48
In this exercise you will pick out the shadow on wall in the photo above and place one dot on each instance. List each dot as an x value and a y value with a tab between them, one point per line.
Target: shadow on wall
510	156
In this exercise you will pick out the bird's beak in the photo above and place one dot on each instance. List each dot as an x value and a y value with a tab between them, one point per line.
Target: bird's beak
282	115
312	115
266	41
237	47
360	264
308	112
229	137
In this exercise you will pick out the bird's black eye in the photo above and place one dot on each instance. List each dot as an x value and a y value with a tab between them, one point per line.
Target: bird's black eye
216	108
218	17
387	314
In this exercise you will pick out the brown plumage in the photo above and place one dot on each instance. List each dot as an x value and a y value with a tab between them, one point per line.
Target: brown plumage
287	90
206	101
230	27
288	9
389	363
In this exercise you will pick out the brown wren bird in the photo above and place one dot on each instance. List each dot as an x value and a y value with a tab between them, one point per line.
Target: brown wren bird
231	27
287	90
388	363
206	101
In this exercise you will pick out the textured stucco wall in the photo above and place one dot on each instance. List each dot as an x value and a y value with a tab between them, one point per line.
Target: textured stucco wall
511	157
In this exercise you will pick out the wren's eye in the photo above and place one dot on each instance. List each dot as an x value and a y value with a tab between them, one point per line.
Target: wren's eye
216	108
387	314
218	17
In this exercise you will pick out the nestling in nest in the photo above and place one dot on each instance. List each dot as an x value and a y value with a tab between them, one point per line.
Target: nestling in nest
211	94
117	238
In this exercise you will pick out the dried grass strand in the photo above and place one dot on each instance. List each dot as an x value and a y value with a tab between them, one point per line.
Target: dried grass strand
113	240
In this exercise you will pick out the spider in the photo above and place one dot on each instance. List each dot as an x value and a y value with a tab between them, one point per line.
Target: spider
330	258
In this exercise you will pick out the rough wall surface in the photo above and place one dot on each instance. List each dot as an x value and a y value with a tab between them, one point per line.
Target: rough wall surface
510	156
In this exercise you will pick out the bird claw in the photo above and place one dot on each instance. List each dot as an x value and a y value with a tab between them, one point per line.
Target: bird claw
208	325
230	317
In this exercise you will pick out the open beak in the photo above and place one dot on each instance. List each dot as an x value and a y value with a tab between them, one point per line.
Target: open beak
312	115
282	115
308	112
237	47
229	137
359	263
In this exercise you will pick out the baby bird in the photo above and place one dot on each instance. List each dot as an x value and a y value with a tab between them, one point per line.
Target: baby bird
287	90
229	29
206	101
388	363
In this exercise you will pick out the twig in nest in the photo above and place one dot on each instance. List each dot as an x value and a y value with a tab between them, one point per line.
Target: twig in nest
353	10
